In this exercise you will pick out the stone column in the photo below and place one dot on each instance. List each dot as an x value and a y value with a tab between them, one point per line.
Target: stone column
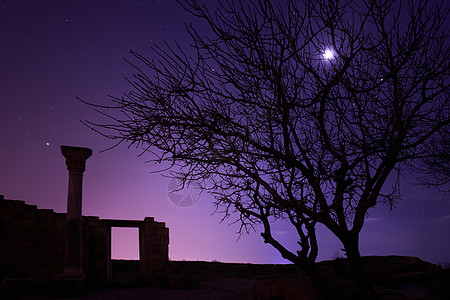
76	164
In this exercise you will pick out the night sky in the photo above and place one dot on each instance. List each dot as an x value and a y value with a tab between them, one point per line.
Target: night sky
54	51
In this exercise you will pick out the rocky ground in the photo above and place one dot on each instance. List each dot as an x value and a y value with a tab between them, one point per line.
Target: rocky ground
395	278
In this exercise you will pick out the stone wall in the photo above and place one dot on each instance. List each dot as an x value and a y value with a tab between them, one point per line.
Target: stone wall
154	251
95	247
31	241
32	244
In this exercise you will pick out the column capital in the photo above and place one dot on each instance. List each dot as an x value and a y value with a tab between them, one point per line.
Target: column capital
76	158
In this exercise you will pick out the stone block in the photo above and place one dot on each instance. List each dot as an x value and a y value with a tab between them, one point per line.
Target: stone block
155	249
14	272
15	203
43	256
59	236
6	262
91	220
22	263
47	212
23	243
15	288
56	266
59	251
165	240
40	276
44	243
98	263
19	234
99	232
29	215
154	239
43	262
60	220
41	223
98	253
28	207
161	226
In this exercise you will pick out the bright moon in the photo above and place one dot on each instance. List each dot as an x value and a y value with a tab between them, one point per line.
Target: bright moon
328	54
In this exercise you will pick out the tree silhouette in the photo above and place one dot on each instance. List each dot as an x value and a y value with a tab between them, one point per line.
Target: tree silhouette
296	111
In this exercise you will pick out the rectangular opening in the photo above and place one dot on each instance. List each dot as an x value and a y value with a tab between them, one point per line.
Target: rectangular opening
125	254
125	243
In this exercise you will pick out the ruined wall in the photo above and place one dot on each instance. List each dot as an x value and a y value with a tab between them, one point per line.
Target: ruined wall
31	241
32	244
154	249
95	247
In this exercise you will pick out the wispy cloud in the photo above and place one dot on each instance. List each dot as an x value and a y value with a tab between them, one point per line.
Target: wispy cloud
373	219
444	218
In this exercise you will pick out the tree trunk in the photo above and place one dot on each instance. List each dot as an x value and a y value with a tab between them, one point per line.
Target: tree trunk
364	286
321	285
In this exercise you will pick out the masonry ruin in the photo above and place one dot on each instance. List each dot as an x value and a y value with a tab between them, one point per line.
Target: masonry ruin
45	246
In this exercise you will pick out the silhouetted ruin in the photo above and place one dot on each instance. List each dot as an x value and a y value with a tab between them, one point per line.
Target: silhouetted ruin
46	246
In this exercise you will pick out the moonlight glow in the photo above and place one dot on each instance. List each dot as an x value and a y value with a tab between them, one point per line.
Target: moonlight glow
328	54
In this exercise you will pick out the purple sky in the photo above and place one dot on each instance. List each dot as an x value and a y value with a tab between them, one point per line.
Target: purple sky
54	51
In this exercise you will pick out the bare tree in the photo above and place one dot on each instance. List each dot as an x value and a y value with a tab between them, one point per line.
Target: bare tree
434	169
295	111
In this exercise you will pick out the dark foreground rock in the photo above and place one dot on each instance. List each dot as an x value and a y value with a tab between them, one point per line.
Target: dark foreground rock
288	287
395	277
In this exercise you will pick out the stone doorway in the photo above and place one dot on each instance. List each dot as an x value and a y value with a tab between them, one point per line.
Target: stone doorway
110	267
125	255
125	243
153	247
